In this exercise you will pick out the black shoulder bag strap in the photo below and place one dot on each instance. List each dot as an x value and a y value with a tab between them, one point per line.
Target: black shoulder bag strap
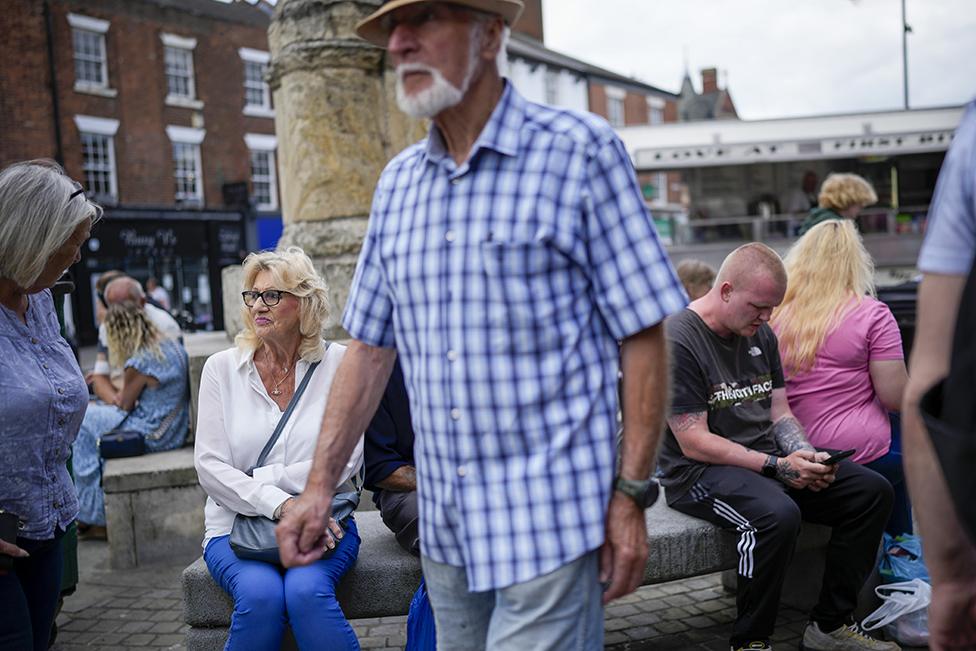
949	412
284	419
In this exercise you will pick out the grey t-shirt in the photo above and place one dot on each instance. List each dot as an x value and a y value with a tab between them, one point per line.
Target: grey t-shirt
730	379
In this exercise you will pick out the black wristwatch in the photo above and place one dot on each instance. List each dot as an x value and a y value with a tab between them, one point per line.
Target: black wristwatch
643	492
769	468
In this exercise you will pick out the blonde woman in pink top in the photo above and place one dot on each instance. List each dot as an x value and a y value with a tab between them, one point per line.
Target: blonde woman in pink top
842	354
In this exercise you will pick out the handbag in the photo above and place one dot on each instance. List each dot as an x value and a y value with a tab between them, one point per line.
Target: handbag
120	443
252	537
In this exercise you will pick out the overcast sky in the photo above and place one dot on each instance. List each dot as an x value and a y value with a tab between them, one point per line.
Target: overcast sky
781	57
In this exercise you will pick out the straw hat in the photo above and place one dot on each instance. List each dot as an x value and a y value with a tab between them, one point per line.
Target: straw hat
371	27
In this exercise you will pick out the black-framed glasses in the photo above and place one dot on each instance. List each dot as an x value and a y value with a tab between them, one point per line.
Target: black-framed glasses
270	297
78	190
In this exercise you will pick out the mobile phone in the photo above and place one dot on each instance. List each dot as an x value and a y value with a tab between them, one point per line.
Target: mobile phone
8	532
838	457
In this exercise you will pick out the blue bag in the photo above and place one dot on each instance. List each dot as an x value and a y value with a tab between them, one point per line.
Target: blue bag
421	634
902	559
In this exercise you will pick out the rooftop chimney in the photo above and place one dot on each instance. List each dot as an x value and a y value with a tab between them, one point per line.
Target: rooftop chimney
709	80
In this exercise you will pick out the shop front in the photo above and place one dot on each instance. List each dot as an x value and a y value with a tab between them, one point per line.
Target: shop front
184	251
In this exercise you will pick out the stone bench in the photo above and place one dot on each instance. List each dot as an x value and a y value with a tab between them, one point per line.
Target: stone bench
153	508
385	577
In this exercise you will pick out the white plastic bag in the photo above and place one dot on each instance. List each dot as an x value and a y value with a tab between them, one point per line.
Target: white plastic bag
904	613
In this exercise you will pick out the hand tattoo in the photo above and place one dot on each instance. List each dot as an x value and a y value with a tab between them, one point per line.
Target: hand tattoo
789	436
786	473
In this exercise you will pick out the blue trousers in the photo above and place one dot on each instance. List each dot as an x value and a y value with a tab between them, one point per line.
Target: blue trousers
29	595
890	467
267	597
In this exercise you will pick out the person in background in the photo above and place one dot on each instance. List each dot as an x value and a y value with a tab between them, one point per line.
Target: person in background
842	354
158	293
842	196
44	220
696	276
735	455
152	400
103	280
243	392
391	473
104	379
804	198
945	261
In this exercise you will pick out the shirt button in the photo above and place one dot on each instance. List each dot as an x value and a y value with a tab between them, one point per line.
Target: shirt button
61	391
57	505
33	340
456	180
60	421
449	236
456	414
44	366
462	471
452	355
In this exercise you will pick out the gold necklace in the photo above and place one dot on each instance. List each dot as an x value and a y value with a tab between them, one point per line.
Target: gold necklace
276	391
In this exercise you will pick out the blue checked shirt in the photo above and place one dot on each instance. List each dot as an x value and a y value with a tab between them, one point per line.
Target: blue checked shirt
505	284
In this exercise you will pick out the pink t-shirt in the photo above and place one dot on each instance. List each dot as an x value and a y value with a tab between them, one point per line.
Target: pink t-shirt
835	400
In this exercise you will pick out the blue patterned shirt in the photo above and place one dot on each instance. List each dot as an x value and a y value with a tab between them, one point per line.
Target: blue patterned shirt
43	398
505	285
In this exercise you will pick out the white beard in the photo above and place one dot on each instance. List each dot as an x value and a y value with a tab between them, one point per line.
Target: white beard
441	94
426	103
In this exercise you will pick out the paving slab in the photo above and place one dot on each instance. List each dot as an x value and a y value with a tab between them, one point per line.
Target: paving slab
115	610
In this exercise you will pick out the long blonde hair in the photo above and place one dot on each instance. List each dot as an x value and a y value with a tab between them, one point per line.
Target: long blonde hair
128	331
292	271
826	268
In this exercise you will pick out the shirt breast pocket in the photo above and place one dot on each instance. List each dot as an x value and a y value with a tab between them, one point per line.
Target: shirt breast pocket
531	289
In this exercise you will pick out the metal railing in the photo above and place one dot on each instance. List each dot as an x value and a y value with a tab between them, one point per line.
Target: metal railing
678	230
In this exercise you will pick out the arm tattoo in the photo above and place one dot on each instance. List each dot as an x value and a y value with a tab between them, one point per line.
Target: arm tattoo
789	436
683	422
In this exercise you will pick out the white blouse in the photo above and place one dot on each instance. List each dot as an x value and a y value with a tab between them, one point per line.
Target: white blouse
236	418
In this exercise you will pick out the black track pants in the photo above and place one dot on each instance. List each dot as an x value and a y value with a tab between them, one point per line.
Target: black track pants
767	516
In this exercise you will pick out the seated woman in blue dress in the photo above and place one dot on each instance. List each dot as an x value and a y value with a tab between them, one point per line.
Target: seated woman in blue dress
153	400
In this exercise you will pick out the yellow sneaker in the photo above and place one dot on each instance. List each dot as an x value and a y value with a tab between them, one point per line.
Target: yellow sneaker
845	638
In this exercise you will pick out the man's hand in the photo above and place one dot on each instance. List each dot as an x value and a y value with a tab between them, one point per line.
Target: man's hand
802	469
952	615
301	533
623	556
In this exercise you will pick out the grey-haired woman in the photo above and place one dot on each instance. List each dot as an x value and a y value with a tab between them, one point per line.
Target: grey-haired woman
44	220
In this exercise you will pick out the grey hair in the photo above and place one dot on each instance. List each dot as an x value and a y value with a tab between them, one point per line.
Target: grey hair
36	217
482	18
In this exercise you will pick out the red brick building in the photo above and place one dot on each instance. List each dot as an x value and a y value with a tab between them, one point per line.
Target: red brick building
160	108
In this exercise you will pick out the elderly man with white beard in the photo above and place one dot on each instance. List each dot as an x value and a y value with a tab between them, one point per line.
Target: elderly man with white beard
511	263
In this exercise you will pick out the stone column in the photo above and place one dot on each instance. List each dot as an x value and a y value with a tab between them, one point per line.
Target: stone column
337	126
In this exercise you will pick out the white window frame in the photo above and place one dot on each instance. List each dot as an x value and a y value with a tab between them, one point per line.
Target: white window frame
265	143
194	137
106	127
264	110
551	83
616	97
655	105
98	27
187	44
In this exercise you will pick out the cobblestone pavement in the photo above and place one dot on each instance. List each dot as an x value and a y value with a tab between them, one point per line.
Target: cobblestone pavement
127	609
